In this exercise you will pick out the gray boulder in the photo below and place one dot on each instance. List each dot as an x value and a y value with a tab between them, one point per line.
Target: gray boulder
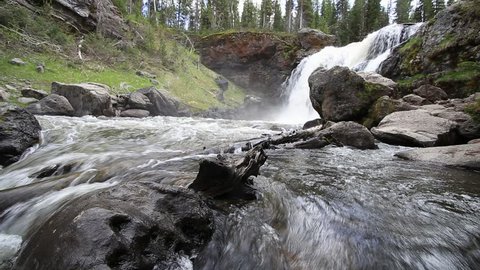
145	74
138	100
383	107
377	78
162	103
52	105
27	100
4	95
416	128
19	130
349	134
135	113
465	155
86	98
431	93
33	93
415	100
17	62
314	39
340	94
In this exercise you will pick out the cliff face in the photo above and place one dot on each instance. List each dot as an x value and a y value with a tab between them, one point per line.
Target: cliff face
445	52
259	62
86	15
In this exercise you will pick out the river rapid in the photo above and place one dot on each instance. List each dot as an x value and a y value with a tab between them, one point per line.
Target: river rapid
334	208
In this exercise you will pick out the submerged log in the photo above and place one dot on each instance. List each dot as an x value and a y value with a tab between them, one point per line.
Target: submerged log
230	179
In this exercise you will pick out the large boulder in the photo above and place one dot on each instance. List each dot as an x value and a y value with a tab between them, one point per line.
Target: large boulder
465	155
416	128
431	93
52	105
340	94
445	52
162	102
313	39
33	93
138	100
349	134
136	225
86	98
19	130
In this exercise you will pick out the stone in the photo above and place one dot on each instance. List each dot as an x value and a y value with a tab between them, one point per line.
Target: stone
313	123
431	93
40	68
377	78
474	141
86	98
138	100
154	82
339	94
33	93
135	225
162	103
469	129
17	62
10	87
52	105
135	113
414	100
222	83
26	100
383	107
19	130
465	155
349	134
416	128
146	74
4	95
313	39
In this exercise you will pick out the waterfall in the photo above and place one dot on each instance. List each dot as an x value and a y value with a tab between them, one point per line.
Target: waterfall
366	55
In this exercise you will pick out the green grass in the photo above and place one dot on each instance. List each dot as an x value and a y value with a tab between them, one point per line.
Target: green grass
474	111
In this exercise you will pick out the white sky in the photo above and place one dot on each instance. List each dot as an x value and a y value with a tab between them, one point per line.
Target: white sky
282	4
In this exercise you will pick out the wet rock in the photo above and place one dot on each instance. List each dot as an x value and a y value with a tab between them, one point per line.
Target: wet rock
415	100
314	143
313	39
383	107
154	82
416	128
230	179
146	74
431	93
138	100
162	103
313	123
135	113
339	94
40	68
465	155
26	100
19	130
139	225
17	62
53	170
474	141
52	105
86	98
349	134
33	93
469	129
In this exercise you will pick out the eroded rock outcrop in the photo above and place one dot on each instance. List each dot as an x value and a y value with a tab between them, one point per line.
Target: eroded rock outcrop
445	52
259	62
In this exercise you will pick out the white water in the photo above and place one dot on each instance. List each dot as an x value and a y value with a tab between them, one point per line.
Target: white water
366	55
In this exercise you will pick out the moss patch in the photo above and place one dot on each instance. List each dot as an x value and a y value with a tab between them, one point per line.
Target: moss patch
474	111
409	52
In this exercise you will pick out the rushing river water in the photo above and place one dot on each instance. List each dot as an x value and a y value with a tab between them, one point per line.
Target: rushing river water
335	208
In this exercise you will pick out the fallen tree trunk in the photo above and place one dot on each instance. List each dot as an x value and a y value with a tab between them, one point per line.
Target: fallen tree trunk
229	179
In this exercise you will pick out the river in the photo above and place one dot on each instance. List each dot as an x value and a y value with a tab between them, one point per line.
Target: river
334	208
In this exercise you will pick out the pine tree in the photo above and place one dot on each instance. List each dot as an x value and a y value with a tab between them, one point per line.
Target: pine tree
373	13
402	10
289	15
357	20
249	15
341	27
450	2
278	24
438	5
305	15
266	12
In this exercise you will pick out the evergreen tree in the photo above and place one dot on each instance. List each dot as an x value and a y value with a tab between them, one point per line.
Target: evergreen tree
305	15
402	10
206	16
450	2
327	18
373	13
249	15
357	20
289	15
438	5
266	12
278	24
341	28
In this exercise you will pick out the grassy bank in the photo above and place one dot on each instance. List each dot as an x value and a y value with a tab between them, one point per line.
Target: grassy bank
159	51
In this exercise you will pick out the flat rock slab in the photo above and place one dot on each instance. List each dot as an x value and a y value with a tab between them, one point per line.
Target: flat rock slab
465	155
416	128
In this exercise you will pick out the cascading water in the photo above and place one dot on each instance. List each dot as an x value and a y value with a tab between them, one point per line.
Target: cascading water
366	55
